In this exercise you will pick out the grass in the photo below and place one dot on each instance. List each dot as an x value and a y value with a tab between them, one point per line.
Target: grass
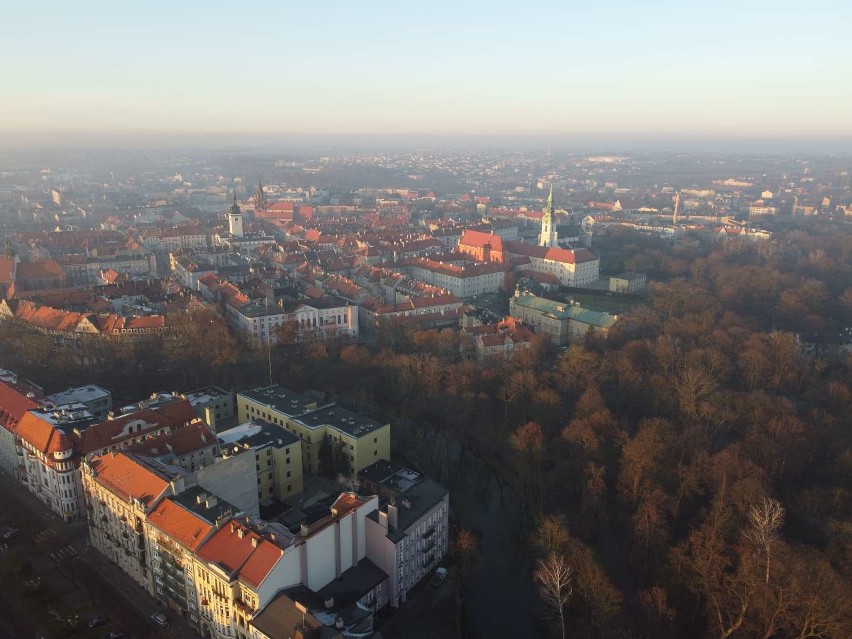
613	304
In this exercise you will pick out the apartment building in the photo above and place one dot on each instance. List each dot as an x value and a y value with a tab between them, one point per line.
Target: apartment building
358	441
407	535
277	453
95	399
175	529
212	404
120	490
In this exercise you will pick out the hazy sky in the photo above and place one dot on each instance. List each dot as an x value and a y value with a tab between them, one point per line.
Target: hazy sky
715	69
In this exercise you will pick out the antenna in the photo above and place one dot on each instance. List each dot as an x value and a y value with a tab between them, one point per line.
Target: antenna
676	207
269	344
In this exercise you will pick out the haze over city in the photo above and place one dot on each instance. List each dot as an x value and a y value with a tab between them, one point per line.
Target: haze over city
579	73
337	320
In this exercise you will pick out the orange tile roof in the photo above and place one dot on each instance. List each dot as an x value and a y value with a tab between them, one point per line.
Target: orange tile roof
123	475
41	435
182	525
478	239
569	256
115	431
241	552
7	267
13	405
177	442
39	270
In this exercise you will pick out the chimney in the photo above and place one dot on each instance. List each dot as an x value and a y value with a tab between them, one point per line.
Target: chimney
393	516
211	501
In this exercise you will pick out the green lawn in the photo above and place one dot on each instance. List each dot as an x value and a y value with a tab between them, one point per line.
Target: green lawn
615	304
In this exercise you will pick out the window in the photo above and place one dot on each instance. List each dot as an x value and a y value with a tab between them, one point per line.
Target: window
289	473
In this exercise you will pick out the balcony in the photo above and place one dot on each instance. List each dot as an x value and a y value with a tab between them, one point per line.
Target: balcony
428	533
243	607
428	547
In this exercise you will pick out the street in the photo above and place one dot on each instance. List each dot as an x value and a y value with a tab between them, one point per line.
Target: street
55	583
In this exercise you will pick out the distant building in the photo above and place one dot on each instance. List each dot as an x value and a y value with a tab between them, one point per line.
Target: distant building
548	236
235	219
628	282
212	404
497	343
96	400
562	322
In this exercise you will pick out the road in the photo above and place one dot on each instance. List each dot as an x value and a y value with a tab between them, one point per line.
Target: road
87	581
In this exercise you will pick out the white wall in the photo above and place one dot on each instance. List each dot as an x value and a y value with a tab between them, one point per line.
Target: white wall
321	558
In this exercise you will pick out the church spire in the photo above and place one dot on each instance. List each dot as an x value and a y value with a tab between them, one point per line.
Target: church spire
549	209
548	236
259	197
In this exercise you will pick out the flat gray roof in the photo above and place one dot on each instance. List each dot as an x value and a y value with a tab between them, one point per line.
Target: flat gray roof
280	399
345	421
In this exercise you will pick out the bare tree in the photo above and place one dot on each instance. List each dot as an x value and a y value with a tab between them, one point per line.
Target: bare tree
764	522
554	578
552	535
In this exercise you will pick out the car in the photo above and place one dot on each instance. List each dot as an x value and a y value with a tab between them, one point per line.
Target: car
114	635
98	621
11	533
160	619
438	579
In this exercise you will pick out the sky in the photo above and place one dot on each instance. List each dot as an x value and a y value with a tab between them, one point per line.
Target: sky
611	68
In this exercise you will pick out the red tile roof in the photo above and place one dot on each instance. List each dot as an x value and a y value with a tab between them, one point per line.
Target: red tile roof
124	476
41	435
115	431
180	441
478	239
13	406
42	269
180	524
242	552
7	268
569	256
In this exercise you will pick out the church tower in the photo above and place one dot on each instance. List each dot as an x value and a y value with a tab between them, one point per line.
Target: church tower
235	219
548	224
259	197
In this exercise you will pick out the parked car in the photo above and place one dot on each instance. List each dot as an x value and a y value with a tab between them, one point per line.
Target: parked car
438	578
114	635
160	619
11	533
98	621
